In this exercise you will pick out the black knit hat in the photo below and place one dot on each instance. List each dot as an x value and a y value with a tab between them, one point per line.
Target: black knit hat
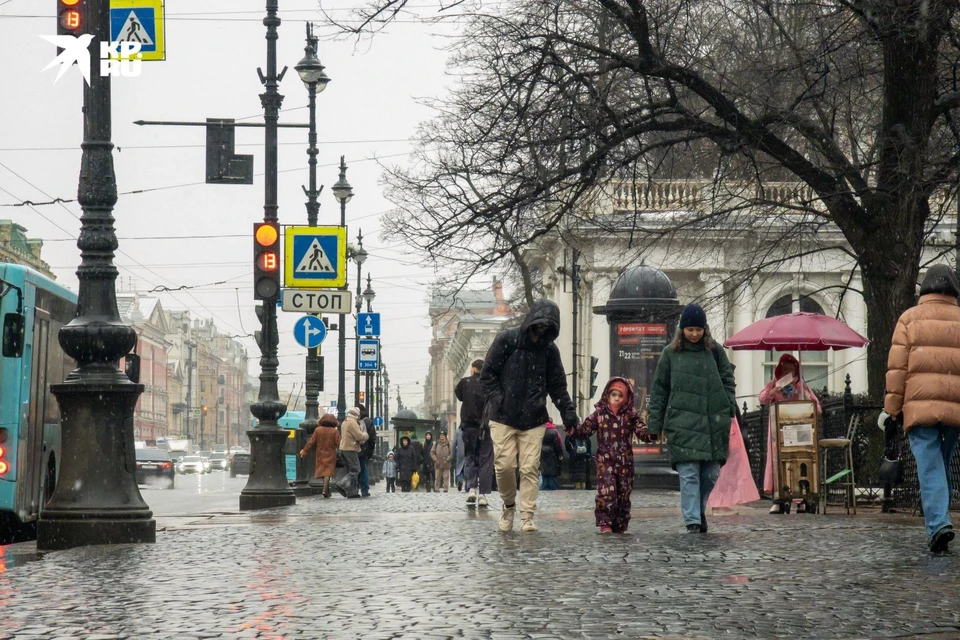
693	316
940	279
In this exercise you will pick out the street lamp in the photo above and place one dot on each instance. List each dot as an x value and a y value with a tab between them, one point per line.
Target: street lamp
313	77
343	192
359	256
96	500
267	483
368	295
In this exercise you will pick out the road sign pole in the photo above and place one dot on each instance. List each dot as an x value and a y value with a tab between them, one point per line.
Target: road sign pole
267	483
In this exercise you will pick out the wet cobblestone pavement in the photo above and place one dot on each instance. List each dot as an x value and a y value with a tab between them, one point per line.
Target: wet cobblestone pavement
423	566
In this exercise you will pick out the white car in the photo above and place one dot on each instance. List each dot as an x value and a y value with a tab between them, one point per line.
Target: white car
219	461
206	463
192	464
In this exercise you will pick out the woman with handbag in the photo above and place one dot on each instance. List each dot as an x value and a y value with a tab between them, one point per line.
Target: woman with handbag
579	450
407	462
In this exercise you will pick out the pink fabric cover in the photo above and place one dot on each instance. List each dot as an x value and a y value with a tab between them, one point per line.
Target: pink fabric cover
735	485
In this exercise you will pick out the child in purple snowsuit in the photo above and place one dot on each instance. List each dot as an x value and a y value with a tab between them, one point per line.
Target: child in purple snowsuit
615	421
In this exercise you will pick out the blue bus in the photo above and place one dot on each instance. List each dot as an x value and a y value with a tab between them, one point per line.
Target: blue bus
33	308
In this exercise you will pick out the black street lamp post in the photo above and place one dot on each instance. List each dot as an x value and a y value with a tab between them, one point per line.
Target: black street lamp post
313	77
369	294
267	483
343	192
96	500
359	256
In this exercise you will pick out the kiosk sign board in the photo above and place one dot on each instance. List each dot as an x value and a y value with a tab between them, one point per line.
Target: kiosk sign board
637	347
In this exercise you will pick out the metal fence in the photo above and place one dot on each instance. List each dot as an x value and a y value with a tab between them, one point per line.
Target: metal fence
868	451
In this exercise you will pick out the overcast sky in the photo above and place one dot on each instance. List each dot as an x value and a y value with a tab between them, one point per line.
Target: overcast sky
369	110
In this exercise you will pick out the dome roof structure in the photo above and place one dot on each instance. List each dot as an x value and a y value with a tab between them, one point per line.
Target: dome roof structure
637	288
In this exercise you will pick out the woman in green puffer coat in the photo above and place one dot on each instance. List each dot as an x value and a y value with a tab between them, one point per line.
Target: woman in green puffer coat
692	401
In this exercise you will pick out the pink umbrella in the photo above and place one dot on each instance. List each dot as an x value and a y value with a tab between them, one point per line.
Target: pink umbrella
796	332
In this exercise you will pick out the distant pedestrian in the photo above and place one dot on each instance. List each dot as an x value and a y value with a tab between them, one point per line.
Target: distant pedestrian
390	473
692	401
427	466
580	451
407	463
441	454
352	436
367	450
923	393
478	453
551	455
417	447
616	422
459	455
324	441
522	367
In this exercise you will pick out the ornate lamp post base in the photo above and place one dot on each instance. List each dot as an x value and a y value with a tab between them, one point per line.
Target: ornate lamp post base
267	484
102	505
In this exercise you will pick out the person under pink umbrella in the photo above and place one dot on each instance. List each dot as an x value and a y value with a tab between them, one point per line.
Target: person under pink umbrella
787	386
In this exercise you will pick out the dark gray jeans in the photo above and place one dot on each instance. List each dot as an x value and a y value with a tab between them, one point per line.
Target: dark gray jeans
350	483
478	461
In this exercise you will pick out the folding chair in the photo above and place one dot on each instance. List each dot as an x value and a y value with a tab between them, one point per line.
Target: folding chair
845	478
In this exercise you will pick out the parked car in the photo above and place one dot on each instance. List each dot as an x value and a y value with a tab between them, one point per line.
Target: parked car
155	467
192	464
218	460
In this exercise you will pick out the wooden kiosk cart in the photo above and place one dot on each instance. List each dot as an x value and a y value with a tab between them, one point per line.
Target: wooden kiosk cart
796	469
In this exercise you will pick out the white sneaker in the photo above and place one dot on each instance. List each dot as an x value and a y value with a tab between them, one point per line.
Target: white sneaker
528	525
472	497
506	518
483	501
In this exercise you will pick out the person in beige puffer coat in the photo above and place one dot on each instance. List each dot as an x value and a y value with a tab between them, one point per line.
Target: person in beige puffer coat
352	435
923	393
441	453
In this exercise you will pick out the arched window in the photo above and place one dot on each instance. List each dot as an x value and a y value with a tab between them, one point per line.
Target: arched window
815	365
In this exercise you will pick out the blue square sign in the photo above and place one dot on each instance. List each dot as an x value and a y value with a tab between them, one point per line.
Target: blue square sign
368	355
368	324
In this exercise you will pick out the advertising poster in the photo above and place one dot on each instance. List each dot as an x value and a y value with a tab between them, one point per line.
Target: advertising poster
636	350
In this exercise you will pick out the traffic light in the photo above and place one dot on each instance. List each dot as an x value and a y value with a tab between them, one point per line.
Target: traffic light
362	398
593	375
266	260
70	18
204	409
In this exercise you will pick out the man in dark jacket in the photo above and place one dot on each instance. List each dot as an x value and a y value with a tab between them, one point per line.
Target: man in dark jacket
478	464
367	450
523	366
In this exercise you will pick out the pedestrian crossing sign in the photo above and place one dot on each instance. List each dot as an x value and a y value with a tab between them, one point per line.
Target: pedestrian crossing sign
315	257
139	21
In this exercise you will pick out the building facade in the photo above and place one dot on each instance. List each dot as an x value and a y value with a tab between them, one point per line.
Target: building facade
17	248
464	323
146	316
741	268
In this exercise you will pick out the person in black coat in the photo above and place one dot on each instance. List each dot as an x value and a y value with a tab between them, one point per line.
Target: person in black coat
478	454
551	454
427	467
407	462
521	369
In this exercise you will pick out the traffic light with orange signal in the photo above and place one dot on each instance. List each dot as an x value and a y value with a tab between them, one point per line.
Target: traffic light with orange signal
266	260
70	17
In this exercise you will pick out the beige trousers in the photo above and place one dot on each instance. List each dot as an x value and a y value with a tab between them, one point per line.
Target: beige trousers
508	443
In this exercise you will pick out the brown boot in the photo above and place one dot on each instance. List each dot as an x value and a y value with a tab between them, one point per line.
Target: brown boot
326	487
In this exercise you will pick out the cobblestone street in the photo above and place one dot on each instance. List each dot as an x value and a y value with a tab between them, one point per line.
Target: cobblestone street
423	566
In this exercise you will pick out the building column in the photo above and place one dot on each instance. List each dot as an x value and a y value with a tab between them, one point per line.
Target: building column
749	368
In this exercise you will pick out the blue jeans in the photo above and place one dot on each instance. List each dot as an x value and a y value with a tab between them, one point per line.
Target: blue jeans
549	483
933	447
364	476
696	482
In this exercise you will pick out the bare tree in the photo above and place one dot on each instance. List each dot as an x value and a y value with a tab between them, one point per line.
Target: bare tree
855	99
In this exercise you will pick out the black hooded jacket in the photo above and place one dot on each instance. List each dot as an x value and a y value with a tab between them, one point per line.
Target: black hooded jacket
519	373
469	392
